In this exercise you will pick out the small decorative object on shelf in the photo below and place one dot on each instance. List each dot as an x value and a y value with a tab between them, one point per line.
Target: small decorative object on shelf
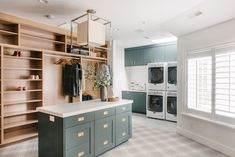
24	88
103	79
17	53
19	88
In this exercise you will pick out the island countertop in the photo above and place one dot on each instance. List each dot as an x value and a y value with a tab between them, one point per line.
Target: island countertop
67	110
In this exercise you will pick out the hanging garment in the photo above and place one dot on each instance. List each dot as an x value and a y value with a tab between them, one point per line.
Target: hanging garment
72	76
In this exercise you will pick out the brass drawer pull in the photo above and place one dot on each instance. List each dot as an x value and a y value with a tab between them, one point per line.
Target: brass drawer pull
106	142
124	134
80	119
80	134
81	154
106	113
106	125
123	119
123	108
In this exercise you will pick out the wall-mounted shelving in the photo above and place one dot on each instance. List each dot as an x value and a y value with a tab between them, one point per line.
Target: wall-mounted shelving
18	116
21	93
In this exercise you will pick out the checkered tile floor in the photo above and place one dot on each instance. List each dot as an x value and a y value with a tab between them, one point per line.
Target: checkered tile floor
151	138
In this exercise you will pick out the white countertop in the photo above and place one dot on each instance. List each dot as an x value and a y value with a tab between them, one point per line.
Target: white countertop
67	110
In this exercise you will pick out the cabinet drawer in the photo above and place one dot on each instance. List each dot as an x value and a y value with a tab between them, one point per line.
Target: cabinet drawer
78	135
123	127
104	113
104	134
123	108
78	119
80	151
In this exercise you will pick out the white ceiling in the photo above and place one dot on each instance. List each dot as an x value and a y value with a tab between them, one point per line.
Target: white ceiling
157	18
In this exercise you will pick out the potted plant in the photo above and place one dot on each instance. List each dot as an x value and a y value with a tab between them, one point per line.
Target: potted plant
103	79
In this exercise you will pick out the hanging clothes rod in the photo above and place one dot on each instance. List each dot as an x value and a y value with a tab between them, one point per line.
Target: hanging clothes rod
94	60
62	56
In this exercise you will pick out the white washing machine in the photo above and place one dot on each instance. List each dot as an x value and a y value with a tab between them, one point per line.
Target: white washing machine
171	106
157	76
171	83
156	104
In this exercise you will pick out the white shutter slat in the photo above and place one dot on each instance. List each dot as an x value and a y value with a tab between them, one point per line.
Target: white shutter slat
225	84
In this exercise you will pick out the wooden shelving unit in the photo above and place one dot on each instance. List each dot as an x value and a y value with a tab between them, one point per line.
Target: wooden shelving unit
18	115
16	72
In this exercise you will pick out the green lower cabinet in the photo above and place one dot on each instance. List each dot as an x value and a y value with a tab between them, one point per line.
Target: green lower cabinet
79	151
77	136
139	98
84	135
104	135
123	131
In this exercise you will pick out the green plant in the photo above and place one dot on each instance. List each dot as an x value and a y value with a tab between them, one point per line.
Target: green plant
102	78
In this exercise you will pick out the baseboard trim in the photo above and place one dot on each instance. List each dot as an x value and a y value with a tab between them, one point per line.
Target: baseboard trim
205	141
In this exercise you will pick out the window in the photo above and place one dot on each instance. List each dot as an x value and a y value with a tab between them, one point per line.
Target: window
225	84
211	83
199	83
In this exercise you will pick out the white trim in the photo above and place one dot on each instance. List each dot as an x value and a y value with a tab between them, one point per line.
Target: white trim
205	141
230	126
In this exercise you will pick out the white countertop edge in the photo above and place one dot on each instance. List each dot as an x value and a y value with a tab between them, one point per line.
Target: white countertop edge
47	109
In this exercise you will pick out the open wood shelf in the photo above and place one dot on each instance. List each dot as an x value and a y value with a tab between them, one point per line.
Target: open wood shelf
20	137
42	38
23	91
10	114
26	58
21	102
14	68
22	123
26	80
4	32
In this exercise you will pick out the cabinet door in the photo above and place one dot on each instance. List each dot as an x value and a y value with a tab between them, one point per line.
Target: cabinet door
139	57
127	95
128	58
104	135
139	104
154	54
123	127
170	53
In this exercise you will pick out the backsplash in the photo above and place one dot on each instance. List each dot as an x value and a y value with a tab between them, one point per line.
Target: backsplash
138	86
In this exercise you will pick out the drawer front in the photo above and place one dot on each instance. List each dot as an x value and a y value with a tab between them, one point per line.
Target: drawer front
78	119
78	135
104	135
104	113
123	127
123	108
80	151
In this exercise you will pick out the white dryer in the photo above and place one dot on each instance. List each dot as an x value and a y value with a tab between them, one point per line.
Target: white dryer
156	104
171	82
157	76
171	106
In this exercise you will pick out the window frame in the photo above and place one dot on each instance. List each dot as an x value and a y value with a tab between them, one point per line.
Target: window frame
212	52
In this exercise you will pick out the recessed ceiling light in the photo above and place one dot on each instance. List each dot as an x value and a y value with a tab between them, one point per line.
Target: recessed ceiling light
43	1
147	37
195	14
164	40
49	16
139	30
115	29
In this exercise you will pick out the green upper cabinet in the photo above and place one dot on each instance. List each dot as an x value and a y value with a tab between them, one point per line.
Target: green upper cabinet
150	54
170	53
134	57
154	54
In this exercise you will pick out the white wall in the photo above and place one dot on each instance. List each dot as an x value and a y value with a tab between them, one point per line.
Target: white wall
119	74
212	134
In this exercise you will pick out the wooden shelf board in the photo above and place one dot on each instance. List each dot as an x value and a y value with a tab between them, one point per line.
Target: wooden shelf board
21	102
59	53
7	32
22	123
42	38
21	80
14	68
25	58
11	114
20	137
23	91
